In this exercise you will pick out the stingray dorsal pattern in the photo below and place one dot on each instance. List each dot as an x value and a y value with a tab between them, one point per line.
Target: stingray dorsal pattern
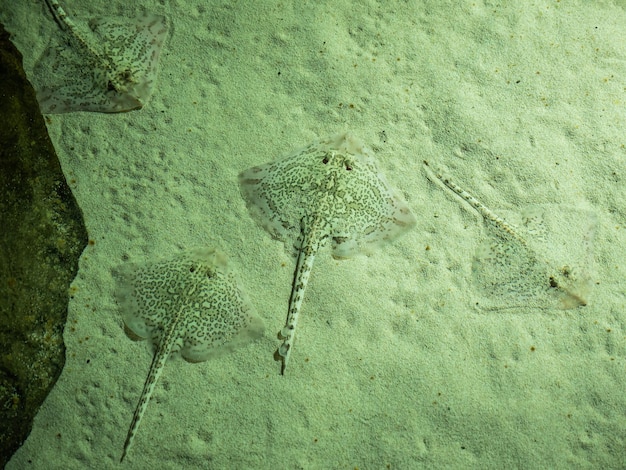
191	303
543	261
109	66
328	192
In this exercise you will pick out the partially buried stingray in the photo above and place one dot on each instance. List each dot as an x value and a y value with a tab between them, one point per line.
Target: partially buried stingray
543	261
190	303
330	191
110	66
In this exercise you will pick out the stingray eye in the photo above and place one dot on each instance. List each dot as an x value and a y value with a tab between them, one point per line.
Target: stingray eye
192	269
348	167
325	160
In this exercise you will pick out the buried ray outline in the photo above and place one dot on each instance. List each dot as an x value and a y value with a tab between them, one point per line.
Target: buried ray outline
510	266
110	66
328	192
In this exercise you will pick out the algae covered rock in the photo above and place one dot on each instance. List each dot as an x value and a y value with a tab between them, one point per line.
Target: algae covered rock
42	235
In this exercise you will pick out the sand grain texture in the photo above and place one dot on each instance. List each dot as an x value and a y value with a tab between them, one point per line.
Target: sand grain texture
395	366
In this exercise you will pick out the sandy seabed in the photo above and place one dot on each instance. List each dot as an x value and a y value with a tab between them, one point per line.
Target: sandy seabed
394	365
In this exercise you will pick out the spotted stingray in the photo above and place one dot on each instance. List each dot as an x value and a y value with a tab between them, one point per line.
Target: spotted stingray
190	303
328	192
110	66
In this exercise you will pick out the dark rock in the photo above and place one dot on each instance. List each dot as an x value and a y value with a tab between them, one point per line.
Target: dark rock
42	235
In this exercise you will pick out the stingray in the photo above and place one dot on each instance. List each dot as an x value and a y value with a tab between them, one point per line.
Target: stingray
517	265
189	303
109	66
329	192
